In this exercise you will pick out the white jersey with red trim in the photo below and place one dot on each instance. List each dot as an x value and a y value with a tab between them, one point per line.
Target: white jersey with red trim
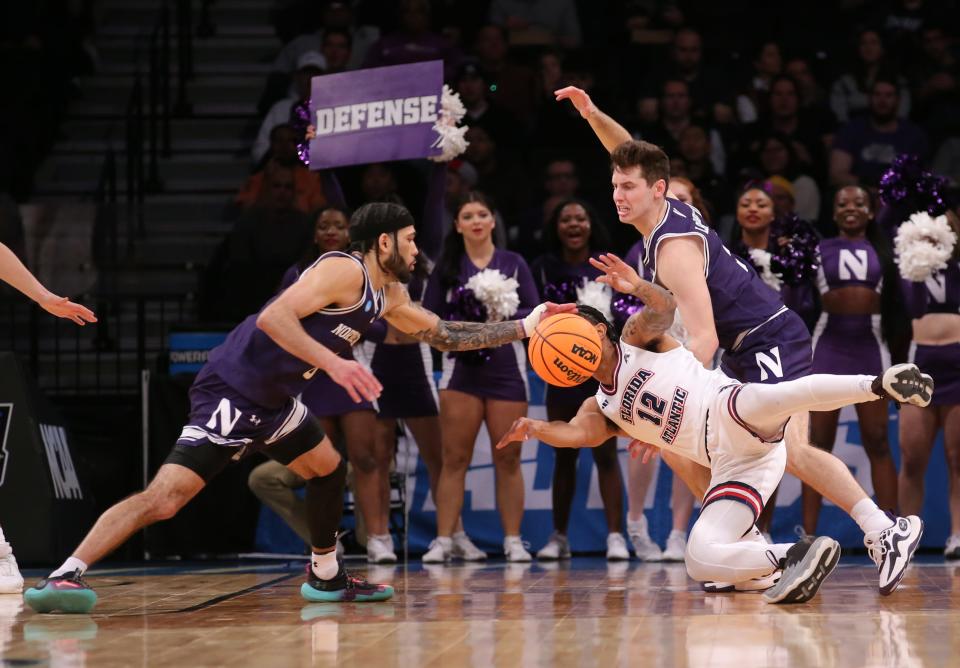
663	398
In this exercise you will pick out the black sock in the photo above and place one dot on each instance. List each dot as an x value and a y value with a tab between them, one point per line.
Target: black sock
325	506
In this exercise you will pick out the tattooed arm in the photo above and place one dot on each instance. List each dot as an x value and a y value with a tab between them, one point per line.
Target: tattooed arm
445	335
650	323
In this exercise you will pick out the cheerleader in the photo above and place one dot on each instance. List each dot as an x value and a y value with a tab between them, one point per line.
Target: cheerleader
564	274
475	280
862	312
934	305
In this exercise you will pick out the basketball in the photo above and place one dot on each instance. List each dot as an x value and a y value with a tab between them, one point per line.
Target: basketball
565	350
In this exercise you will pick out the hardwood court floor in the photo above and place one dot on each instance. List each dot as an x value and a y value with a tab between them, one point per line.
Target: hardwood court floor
581	614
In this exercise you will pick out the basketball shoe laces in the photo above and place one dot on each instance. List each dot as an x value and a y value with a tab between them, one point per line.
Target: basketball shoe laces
878	549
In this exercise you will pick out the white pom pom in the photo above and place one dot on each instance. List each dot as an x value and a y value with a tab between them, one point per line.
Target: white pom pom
496	292
451	139
923	245
761	258
596	295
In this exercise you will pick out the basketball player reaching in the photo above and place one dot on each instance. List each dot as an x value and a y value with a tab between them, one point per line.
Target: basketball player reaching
723	302
13	272
654	390
243	399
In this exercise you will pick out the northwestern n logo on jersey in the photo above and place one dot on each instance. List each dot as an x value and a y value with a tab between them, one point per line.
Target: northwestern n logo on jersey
6	413
854	264
937	287
348	334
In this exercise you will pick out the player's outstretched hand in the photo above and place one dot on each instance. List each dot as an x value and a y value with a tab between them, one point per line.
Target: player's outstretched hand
641	449
542	311
519	431
616	273
64	308
578	97
355	379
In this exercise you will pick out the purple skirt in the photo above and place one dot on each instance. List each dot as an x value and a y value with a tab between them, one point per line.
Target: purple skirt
778	350
849	345
503	376
406	372
943	363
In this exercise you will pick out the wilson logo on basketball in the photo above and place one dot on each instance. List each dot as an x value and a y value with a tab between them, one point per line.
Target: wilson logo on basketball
584	353
571	374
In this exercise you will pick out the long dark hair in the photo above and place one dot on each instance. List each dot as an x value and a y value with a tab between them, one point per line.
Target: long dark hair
453	247
312	252
599	236
894	325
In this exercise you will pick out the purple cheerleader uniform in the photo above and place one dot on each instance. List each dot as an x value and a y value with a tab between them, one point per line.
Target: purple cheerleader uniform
940	293
494	373
763	340
404	369
557	282
842	343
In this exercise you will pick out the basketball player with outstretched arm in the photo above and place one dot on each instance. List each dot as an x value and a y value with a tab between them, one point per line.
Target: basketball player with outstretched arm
13	272
723	302
243	399
655	391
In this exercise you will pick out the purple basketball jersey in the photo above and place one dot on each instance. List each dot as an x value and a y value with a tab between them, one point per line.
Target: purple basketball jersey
741	300
254	365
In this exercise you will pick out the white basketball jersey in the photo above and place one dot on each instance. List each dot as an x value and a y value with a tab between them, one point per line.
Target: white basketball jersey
662	398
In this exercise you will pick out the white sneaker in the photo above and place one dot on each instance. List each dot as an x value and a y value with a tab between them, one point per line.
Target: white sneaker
557	547
380	550
617	547
463	548
643	546
438	553
892	549
515	550
754	585
11	582
905	384
952	550
676	546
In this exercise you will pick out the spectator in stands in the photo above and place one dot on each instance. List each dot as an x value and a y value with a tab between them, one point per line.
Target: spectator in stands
504	180
550	75
336	49
849	95
414	41
501	125
309	65
538	21
708	88
936	81
676	115
753	100
378	183
808	138
308	187
336	15
266	239
865	147
694	147
511	86
777	158
813	96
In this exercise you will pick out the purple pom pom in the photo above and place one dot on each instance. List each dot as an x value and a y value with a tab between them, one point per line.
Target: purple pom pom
796	261
906	187
624	306
299	120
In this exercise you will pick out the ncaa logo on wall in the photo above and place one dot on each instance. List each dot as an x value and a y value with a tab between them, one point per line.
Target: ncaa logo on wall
6	412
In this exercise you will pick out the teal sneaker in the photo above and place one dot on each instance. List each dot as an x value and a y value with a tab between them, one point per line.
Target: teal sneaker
64	593
343	587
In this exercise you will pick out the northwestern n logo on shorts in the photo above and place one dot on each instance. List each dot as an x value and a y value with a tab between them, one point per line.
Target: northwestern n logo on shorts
227	417
770	364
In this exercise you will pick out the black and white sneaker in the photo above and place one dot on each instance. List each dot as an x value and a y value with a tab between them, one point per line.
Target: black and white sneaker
892	549
807	564
756	585
905	384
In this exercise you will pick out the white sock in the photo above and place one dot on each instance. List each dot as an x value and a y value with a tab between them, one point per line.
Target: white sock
869	517
511	538
637	526
446	542
325	566
679	533
69	566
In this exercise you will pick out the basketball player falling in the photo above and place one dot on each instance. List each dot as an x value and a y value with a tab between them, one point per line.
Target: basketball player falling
243	399
13	272
653	389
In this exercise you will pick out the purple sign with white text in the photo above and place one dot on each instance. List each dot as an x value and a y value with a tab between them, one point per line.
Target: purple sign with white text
375	115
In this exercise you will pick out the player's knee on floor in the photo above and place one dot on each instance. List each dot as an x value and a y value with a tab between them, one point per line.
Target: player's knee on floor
697	560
